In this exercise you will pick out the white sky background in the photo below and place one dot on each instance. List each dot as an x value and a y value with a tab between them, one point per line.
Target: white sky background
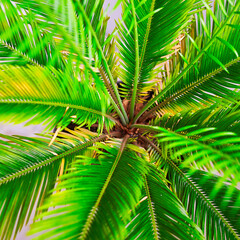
20	129
11	129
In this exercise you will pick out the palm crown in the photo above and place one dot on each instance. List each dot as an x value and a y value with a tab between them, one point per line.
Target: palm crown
155	154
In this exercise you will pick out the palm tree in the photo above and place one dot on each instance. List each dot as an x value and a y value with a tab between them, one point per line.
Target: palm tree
155	154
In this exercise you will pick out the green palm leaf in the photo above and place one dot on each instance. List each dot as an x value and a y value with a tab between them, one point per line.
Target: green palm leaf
80	36
22	40
202	210
204	92
211	82
28	171
95	191
217	116
187	149
226	199
141	47
211	215
50	95
156	211
209	55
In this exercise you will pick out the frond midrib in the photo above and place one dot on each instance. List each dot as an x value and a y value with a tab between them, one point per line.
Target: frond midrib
185	90
151	210
70	151
137	67
55	104
19	53
203	197
145	40
140	58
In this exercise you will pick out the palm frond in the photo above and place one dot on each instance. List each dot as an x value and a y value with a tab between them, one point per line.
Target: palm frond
29	168
79	34
160	214
209	213
217	116
208	55
153	18
67	13
102	188
214	151
23	42
226	199
202	210
210	81
208	90
51	96
101	59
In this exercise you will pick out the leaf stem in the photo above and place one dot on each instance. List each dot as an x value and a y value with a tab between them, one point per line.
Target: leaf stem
151	210
57	104
136	75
